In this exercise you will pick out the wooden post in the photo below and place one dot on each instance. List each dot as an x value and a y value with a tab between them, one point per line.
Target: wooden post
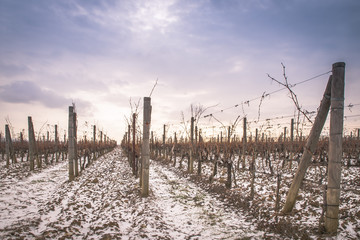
309	149
229	133
94	142
175	148
76	165
8	147
101	141
32	144
244	143
145	156
133	145
129	145
291	143
164	142
191	160
284	134
2	152
196	135
199	156
39	158
94	134
71	143
56	144
196	156
277	199
335	147
22	152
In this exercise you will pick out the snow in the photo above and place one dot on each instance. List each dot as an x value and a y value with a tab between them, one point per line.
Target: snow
303	222
189	210
104	203
20	200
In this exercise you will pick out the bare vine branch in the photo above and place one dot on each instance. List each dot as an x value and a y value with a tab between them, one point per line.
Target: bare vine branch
234	125
211	115
153	87
259	108
293	96
41	129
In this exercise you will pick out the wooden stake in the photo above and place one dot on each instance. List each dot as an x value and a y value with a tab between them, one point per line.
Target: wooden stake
71	143
244	144
56	144
8	146
133	145
292	143
145	156
129	145
229	132
335	147
164	142
76	165
308	150
191	160
32	144
198	154
175	149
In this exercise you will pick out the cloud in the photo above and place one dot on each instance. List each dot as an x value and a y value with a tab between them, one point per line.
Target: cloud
10	70
99	53
28	92
153	15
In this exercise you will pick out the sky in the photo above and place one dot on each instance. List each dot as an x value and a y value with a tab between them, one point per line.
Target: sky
105	56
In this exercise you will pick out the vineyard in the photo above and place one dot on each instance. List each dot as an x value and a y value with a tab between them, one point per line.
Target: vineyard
189	182
263	175
255	176
50	152
35	154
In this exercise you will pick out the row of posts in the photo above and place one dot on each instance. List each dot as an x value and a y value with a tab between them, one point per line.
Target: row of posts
72	143
33	153
32	150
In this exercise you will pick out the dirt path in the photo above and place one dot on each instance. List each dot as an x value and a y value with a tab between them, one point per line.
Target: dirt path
104	203
190	211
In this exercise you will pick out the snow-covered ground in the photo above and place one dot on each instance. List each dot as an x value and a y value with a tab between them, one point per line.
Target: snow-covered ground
192	212
21	199
104	203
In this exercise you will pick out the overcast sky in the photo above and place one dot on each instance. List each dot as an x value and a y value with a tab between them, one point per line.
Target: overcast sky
99	54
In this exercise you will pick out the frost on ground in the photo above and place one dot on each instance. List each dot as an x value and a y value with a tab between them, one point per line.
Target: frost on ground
305	221
104	203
